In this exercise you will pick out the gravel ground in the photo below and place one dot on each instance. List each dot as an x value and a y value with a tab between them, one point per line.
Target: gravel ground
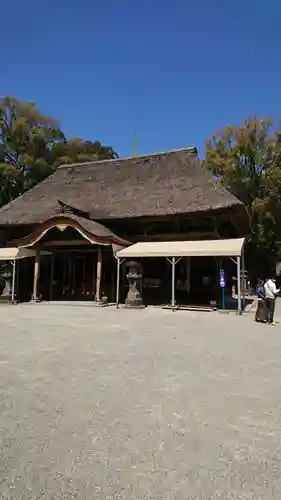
103	404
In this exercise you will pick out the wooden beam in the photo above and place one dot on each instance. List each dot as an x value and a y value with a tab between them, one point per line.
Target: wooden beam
65	243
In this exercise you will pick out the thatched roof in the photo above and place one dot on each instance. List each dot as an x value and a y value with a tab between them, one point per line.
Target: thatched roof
159	184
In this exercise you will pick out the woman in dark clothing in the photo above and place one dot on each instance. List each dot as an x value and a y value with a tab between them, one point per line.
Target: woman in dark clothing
261	313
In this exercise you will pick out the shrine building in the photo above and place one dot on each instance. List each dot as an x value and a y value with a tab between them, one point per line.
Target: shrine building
68	237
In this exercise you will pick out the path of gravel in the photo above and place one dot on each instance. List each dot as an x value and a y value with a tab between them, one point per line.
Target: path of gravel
105	404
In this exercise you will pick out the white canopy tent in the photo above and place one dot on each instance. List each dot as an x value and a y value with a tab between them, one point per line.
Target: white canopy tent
202	248
173	251
12	254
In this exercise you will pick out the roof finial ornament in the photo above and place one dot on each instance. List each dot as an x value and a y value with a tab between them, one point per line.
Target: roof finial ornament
135	143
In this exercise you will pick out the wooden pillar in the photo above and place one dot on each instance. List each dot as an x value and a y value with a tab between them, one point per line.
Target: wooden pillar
73	275
93	283
36	276
64	259
113	284
99	273
84	284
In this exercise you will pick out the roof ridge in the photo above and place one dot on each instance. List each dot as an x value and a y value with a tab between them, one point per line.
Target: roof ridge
190	149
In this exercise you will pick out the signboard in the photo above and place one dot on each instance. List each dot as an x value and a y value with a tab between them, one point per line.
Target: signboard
222	278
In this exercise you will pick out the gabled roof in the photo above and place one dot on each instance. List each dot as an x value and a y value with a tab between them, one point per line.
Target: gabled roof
91	230
152	185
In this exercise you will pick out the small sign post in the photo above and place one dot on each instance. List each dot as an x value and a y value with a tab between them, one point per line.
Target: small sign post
222	285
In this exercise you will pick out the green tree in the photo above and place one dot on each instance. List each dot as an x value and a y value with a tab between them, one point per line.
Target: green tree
26	141
79	151
32	145
245	159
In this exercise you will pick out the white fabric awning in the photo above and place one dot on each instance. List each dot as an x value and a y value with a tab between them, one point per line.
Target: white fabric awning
14	253
201	248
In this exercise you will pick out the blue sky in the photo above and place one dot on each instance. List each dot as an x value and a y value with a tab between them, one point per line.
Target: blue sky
175	69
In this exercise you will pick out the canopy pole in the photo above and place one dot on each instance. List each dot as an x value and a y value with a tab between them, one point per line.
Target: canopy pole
243	278
173	282
117	282
13	280
239	310
17	281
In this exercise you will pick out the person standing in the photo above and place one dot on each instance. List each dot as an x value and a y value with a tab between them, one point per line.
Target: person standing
270	294
261	312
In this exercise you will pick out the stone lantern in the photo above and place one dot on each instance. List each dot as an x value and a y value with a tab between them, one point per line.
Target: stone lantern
134	277
6	277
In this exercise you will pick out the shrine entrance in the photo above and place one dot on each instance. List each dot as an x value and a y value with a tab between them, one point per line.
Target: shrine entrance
74	260
73	275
